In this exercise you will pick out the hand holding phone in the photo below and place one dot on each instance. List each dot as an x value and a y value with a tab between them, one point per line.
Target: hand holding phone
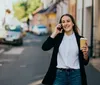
59	27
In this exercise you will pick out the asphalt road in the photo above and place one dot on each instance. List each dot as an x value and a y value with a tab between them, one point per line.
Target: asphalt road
23	65
27	64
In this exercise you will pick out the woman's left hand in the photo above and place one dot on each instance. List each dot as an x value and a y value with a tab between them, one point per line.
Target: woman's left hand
85	51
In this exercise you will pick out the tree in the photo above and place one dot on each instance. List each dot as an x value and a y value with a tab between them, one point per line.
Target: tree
33	5
23	8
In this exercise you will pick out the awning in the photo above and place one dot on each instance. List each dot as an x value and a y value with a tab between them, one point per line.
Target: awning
43	10
53	6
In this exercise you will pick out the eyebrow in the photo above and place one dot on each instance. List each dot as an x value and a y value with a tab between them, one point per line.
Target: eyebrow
67	20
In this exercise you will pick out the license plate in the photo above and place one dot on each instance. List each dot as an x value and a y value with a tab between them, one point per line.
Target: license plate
9	39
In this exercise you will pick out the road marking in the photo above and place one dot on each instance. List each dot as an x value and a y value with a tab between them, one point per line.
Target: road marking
27	41
0	64
15	51
37	40
36	82
6	60
2	50
34	40
23	66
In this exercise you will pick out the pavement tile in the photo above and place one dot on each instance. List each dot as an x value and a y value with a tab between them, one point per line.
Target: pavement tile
96	63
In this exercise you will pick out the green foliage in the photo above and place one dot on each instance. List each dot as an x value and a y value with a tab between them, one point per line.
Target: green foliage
23	8
33	5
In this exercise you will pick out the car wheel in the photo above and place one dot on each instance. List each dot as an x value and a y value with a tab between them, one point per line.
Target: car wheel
21	41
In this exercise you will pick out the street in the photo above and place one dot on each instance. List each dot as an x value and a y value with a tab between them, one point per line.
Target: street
23	65
27	64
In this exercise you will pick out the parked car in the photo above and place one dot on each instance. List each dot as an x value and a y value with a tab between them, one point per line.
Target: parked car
25	27
3	33
39	29
14	35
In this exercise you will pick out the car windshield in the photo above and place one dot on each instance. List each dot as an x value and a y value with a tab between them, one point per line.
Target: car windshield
16	29
41	26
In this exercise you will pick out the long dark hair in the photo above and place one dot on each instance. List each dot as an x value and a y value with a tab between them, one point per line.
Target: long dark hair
75	28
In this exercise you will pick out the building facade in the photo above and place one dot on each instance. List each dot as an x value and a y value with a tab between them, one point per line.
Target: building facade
62	8
86	14
88	20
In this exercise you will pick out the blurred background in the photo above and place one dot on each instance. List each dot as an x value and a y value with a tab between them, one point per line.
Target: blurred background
25	25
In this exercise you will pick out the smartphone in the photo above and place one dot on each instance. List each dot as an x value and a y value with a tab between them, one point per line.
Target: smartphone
59	28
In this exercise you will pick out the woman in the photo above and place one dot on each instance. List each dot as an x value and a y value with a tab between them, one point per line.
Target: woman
68	60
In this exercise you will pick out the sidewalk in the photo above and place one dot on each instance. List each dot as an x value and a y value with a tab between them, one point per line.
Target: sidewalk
96	63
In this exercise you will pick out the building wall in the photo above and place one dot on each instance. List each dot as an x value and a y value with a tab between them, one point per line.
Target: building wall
51	21
79	15
59	12
86	17
87	3
97	27
87	23
72	8
62	8
97	19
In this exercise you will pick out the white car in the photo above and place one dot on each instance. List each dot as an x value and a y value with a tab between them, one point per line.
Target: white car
14	35
40	29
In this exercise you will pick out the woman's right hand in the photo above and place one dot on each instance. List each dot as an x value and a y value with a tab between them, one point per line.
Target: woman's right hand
56	31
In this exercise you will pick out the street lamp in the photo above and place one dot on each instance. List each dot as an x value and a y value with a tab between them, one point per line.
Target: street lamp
82	16
92	25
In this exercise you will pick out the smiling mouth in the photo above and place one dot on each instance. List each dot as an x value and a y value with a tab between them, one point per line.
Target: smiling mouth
67	26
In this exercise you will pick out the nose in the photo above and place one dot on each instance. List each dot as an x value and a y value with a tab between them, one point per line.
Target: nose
66	24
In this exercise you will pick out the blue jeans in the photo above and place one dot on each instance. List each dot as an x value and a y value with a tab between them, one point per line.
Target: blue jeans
68	77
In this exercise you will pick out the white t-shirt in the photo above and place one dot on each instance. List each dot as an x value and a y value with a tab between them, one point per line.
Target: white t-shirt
68	53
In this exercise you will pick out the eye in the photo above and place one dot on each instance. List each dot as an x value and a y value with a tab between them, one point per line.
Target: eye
68	20
63	21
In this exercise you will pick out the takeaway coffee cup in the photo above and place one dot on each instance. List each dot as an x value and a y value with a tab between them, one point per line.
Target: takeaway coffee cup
82	42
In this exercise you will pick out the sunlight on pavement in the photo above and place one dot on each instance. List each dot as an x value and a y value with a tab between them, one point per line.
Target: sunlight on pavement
2	50
16	50
0	64
36	82
96	63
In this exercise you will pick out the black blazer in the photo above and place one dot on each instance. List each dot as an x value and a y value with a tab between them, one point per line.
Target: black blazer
51	73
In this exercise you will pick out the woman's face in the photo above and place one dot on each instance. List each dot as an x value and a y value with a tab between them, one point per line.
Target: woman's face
67	23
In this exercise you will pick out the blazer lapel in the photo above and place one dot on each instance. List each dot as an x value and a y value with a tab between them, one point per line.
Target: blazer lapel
78	40
60	39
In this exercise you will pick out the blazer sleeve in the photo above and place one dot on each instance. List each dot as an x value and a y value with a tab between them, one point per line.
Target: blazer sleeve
84	61
48	44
